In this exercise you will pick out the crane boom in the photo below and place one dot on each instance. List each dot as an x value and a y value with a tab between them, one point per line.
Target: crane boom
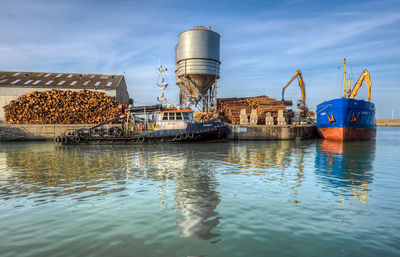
301	85
301	104
364	76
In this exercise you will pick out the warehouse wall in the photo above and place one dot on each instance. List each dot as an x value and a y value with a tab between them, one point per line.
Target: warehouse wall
4	100
122	92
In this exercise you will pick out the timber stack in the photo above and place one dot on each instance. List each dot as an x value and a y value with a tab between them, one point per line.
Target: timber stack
205	116
229	108
63	107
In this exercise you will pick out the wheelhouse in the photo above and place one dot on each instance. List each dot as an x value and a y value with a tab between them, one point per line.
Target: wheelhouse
174	119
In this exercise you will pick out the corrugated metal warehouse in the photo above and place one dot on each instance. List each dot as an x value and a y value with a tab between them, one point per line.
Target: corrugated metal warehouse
14	84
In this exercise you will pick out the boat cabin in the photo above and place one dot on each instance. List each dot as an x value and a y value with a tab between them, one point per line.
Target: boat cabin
174	119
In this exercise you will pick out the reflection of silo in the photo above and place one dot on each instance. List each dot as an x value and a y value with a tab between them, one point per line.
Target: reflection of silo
197	66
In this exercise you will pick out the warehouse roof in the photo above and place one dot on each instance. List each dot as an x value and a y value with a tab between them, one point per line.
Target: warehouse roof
59	80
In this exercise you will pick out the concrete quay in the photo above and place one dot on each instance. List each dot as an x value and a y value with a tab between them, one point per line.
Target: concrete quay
35	132
41	132
388	122
273	132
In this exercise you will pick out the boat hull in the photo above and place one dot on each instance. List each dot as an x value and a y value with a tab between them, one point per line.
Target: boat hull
195	132
347	134
346	119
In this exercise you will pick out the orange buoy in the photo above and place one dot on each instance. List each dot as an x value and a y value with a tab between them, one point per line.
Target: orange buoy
141	126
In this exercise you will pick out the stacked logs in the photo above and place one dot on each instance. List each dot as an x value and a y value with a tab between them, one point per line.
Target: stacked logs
205	116
63	107
229	108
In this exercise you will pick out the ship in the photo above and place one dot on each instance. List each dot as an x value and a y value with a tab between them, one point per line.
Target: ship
160	123
348	118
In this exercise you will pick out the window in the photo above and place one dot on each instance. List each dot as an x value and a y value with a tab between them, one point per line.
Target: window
48	74
29	81
92	76
60	83
178	116
58	75
97	83
69	76
4	80
16	74
49	82
86	83
109	84
39	75
165	117
73	82
16	81
3	76
186	116
37	81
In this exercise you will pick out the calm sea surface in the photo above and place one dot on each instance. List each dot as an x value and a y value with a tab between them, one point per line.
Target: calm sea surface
248	198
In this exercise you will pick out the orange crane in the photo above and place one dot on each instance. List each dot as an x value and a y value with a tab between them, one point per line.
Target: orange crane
301	104
364	76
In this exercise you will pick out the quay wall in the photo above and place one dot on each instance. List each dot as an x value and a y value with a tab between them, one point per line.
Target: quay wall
37	132
274	132
388	122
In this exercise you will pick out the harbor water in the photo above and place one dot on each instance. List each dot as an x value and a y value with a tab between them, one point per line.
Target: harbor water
246	198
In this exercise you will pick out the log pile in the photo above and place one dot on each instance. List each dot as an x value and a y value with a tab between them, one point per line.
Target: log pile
229	108
205	116
63	107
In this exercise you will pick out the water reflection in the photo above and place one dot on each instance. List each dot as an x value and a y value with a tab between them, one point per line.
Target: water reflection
44	173
280	162
346	167
55	171
193	172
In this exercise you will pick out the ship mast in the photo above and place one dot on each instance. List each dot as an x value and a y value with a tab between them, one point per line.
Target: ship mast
344	78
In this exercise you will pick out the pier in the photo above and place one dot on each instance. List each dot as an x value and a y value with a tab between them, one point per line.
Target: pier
388	122
275	132
42	132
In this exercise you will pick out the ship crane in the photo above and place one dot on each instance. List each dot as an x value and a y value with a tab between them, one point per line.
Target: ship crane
301	104
364	76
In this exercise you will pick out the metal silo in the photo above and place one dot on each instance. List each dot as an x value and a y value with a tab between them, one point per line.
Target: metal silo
197	66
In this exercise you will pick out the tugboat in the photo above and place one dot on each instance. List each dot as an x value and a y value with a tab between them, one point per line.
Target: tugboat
347	118
149	124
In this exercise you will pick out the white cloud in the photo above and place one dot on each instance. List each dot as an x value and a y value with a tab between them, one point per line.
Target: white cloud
260	50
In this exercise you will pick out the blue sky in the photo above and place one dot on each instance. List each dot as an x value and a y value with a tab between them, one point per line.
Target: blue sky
262	43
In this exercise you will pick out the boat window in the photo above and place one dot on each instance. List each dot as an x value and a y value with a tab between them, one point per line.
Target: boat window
178	116
171	116
185	115
165	117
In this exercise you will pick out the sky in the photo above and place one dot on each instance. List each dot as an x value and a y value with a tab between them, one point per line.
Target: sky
263	43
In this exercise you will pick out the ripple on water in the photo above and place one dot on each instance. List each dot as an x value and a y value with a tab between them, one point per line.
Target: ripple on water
308	198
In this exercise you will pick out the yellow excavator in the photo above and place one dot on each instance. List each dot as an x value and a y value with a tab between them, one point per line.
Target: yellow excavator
301	104
364	76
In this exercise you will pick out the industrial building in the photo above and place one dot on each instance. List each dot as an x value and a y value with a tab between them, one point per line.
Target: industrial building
197	59
14	84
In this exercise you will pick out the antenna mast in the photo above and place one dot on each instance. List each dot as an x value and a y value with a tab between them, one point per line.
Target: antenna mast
162	85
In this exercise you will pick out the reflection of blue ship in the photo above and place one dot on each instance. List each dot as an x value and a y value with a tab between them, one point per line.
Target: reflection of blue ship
345	164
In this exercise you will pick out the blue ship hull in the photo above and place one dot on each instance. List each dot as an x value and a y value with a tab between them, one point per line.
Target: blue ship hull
346	119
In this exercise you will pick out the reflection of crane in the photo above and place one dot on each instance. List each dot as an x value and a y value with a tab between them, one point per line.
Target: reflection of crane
364	76
301	104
